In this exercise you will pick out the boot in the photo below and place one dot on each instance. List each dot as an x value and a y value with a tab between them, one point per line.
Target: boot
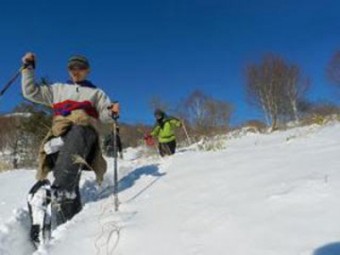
65	206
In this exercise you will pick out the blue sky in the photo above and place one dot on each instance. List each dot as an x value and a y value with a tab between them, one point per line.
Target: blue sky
140	49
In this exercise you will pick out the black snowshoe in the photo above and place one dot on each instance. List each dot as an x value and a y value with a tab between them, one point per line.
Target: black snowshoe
39	205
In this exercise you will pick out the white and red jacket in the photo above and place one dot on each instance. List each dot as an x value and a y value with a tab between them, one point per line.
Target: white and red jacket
64	97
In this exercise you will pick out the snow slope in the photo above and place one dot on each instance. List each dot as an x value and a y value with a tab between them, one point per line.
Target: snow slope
274	194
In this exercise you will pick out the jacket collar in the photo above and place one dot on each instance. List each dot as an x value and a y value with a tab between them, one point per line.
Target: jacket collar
85	83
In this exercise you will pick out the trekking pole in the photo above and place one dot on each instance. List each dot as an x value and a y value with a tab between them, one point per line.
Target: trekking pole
115	162
12	80
186	133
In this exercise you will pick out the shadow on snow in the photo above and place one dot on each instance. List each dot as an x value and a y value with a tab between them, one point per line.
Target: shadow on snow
89	190
329	249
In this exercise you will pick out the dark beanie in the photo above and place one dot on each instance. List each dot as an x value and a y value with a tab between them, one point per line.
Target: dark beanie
159	112
78	61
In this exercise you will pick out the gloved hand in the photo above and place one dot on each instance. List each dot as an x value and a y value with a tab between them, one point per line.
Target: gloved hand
147	136
29	60
115	109
149	141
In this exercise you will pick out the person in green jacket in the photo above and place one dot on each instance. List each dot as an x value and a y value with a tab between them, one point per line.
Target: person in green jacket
164	132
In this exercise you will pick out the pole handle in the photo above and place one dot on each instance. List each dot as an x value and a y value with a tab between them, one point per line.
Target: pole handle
114	115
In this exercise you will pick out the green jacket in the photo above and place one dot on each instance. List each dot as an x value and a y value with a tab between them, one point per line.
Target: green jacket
165	131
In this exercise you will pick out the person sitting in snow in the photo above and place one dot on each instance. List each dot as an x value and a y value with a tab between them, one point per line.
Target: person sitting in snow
164	131
72	144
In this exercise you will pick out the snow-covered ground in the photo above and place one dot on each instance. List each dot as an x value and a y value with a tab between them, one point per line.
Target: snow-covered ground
276	194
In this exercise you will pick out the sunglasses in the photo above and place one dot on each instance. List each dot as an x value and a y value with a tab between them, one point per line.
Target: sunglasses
78	66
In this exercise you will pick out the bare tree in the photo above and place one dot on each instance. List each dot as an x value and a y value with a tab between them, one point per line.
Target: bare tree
262	88
11	137
35	123
295	87
275	87
22	132
195	110
205	114
333	69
